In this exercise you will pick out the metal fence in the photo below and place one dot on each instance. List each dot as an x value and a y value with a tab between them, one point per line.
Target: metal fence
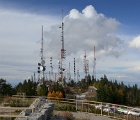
74	105
94	107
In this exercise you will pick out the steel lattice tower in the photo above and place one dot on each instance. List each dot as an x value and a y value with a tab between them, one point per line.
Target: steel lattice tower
94	64
63	53
41	67
86	68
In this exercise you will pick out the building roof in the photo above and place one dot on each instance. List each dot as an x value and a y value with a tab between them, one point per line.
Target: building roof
92	87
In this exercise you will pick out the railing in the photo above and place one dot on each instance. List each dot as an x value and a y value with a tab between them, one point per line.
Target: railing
94	107
14	111
40	109
64	104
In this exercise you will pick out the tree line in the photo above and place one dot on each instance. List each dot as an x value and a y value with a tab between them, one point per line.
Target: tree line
30	88
109	91
117	93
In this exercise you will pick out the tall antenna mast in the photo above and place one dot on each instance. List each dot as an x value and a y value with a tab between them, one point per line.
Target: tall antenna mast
51	68
41	67
78	75
86	68
42	52
94	64
34	77
63	51
62	33
74	71
69	72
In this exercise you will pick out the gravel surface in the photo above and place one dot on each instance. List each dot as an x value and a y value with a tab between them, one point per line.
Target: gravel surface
89	116
81	116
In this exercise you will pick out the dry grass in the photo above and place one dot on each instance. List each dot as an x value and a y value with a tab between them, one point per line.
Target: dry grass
16	102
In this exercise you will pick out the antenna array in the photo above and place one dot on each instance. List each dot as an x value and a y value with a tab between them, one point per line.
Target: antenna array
63	53
94	64
86	67
41	67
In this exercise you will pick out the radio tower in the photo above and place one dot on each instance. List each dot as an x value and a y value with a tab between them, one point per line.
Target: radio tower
78	75
41	67
94	65
52	78
69	72
63	53
86	68
74	71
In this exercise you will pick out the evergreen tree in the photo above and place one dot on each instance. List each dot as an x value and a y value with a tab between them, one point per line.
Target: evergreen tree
42	90
6	89
28	87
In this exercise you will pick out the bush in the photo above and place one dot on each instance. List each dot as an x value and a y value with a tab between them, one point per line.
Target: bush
53	94
19	103
65	107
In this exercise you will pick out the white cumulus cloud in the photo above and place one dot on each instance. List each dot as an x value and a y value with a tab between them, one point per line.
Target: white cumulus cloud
135	43
84	30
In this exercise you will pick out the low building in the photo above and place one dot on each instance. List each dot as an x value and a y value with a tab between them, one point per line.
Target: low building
92	91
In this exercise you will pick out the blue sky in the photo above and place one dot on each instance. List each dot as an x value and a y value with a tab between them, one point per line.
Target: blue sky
126	11
110	25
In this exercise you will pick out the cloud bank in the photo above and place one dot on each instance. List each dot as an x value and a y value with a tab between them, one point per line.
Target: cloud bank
20	35
84	30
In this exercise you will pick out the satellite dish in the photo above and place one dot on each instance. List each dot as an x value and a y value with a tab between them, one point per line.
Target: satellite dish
43	62
58	62
41	68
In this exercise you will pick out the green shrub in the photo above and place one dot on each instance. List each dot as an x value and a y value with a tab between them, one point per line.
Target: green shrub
19	103
65	107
